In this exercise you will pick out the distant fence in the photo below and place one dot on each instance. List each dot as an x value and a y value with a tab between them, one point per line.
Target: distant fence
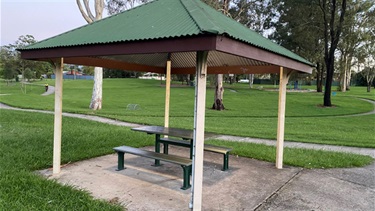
77	77
300	82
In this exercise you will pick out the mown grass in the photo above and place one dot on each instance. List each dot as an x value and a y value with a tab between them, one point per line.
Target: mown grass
305	158
249	112
26	144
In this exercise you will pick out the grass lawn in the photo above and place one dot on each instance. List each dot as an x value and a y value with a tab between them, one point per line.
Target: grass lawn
249	112
26	145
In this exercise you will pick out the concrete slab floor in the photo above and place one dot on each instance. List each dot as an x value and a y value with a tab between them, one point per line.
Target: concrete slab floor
248	185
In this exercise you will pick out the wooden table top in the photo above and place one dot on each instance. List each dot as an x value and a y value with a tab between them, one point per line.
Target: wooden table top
176	132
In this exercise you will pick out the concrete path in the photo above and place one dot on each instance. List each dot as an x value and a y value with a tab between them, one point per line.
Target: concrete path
51	90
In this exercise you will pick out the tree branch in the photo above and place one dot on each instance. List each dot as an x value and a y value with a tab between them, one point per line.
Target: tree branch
87	6
99	4
87	18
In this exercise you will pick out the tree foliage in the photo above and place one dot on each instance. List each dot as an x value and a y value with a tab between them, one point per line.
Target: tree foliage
13	65
117	6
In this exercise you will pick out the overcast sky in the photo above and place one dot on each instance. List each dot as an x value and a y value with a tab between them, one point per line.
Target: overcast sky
40	18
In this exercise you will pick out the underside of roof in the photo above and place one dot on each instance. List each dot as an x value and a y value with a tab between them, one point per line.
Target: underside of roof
142	39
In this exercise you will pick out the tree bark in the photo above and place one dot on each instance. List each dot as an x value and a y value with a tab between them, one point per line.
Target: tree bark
319	77
219	92
251	80
332	32
96	99
349	73
328	85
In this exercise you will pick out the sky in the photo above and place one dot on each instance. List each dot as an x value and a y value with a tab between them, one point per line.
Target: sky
40	18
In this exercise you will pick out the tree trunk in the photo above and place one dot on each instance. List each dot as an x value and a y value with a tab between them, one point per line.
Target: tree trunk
251	80
332	32
329	79
96	99
343	81
319	78
368	87
219	92
345	73
349	73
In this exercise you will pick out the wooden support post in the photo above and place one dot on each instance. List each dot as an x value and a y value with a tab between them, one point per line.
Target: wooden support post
199	118
167	93
58	116
281	118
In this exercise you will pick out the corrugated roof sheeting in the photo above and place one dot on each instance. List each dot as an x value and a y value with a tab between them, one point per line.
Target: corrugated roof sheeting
218	59
155	20
163	19
187	59
157	60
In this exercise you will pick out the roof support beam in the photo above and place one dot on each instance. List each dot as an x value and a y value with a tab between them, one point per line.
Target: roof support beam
284	76
199	121
113	64
232	70
58	116
167	93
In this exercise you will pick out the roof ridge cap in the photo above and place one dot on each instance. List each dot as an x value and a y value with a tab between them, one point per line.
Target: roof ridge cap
214	29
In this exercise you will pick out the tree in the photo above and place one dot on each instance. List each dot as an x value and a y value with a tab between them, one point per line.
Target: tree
113	6
13	65
96	99
369	74
332	32
219	89
358	20
298	26
8	71
251	13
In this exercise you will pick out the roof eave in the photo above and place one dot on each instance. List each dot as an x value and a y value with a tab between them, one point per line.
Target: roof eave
207	42
228	45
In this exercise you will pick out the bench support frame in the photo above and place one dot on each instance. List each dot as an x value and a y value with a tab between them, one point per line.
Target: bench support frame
166	144
186	170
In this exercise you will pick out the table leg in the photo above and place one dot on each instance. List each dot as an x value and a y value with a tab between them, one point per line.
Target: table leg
191	148
165	148
120	161
157	148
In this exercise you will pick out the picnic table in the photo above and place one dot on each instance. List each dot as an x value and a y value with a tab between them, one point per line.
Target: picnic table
187	141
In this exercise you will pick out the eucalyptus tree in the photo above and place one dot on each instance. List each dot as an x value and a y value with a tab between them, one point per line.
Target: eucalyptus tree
355	34
97	91
113	6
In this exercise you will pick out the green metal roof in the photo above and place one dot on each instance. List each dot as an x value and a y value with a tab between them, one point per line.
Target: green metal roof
162	19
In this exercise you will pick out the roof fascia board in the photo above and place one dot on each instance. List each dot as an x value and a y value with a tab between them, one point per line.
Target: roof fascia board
113	64
182	44
234	47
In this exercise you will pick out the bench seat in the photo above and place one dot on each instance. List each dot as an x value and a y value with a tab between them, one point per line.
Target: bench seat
207	147
185	163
